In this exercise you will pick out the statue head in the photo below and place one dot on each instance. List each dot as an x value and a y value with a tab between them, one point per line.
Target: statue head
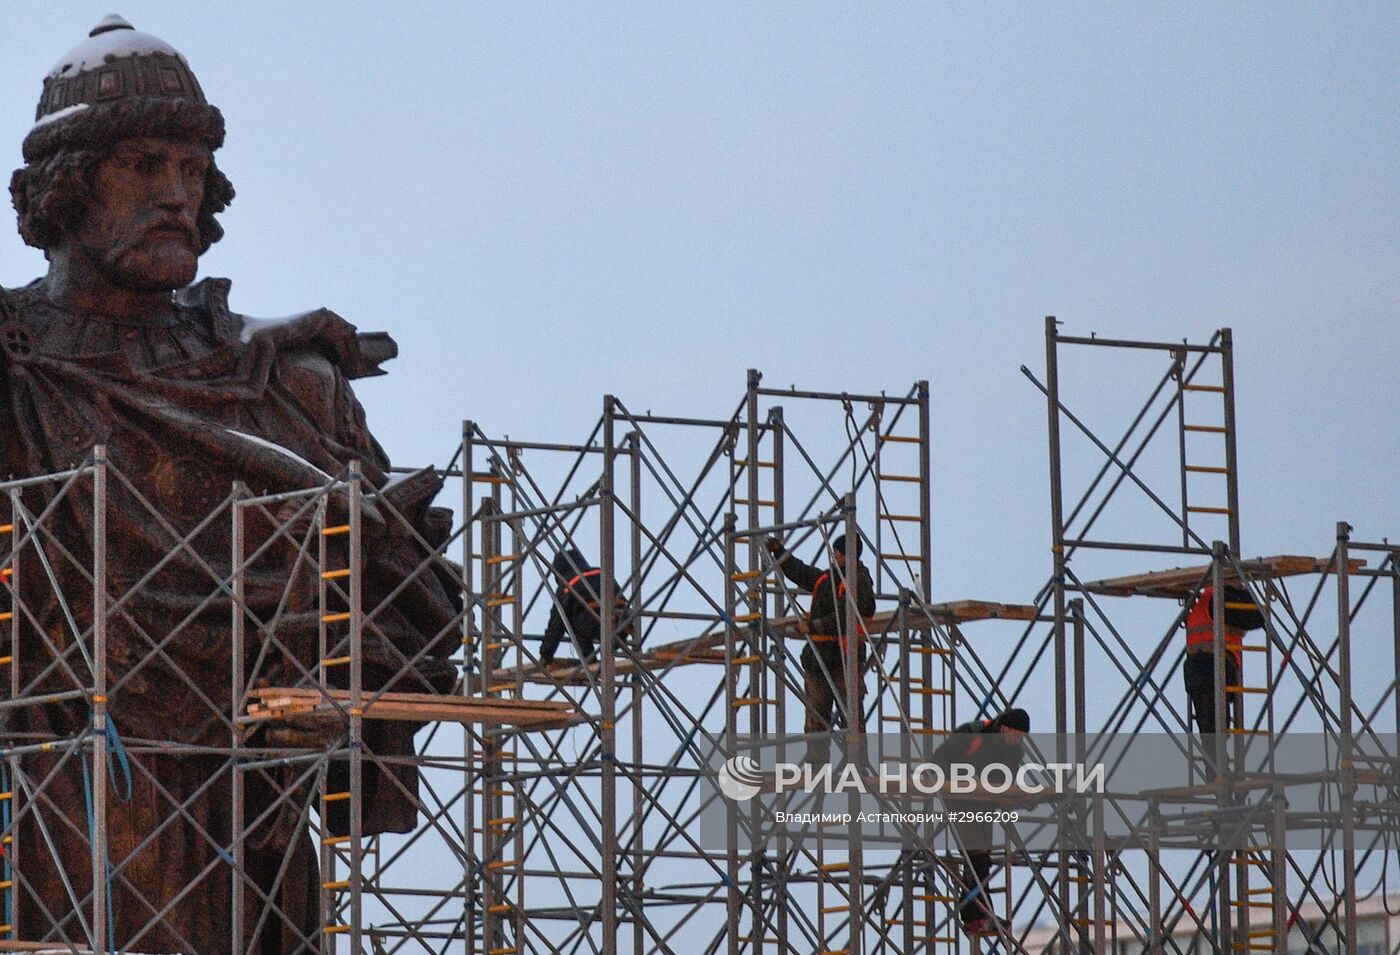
119	164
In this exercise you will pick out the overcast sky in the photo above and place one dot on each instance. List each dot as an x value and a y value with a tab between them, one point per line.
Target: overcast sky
547	203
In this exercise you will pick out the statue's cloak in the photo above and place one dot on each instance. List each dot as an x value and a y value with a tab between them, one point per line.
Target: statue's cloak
184	409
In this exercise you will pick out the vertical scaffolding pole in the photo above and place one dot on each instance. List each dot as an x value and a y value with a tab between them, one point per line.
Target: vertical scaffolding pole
1223	792
1348	778
1278	875
1100	877
607	731
357	729
855	717
925	498
1058	610
471	863
1394	558
493	787
1062	756
98	823
757	669
771	645
239	638
12	847
1232	485
1080	719
638	697
926	642
1179	373
733	897
1155	936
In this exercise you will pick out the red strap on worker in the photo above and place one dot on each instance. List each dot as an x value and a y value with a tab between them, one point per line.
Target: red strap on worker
619	600
840	595
815	587
587	573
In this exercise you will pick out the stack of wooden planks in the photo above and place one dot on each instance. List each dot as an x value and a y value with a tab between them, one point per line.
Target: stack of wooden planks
1182	582
302	703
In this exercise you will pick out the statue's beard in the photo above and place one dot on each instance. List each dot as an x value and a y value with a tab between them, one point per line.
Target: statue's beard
149	262
153	252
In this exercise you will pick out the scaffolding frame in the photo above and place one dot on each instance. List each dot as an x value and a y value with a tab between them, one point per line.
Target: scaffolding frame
1219	893
558	806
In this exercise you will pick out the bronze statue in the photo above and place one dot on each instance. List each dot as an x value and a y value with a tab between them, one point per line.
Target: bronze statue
115	346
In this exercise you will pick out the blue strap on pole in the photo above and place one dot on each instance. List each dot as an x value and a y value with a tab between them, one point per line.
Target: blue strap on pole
114	740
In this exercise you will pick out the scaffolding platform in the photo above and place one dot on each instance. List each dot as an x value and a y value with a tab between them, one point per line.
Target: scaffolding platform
1181	582
709	648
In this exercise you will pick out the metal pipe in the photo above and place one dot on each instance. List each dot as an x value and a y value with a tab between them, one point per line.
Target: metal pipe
607	733
357	622
834	396
1232	483
1122	343
98	833
238	639
1347	780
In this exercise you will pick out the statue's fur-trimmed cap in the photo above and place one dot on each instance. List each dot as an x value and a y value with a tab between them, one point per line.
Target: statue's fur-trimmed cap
116	84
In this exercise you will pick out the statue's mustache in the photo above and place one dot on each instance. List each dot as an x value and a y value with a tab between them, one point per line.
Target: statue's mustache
172	224
180	225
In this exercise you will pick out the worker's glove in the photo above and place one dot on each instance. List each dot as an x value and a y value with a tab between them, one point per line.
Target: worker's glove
775	546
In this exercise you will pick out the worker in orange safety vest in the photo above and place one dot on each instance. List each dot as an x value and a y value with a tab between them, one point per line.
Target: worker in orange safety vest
1241	614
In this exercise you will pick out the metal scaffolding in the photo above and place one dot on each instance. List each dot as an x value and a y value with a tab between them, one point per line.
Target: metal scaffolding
558	808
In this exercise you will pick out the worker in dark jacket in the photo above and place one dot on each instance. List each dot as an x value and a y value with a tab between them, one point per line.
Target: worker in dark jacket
578	591
824	656
981	744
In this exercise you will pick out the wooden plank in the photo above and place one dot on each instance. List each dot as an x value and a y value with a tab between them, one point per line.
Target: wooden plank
1181	582
302	703
314	694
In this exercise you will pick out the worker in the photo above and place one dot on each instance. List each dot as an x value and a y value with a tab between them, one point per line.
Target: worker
575	608
1241	614
824	656
999	741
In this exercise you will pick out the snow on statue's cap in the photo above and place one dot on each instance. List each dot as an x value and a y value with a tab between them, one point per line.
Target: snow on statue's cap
112	38
120	82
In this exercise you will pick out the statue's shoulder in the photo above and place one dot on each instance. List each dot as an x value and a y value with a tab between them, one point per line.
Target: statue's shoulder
21	301
357	354
21	311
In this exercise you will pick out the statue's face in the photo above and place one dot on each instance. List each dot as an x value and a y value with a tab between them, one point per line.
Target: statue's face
140	225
